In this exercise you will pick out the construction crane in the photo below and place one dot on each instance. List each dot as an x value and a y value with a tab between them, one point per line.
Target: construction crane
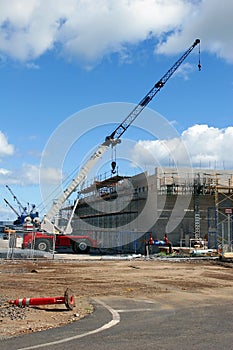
22	208
111	140
12	208
18	221
24	211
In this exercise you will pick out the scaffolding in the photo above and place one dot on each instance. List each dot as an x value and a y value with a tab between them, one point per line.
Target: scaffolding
108	207
108	203
224	211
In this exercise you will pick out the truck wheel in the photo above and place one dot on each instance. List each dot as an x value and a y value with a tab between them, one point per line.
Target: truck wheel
81	247
43	244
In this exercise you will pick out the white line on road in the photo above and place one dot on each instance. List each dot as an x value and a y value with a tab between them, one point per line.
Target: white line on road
115	320
135	310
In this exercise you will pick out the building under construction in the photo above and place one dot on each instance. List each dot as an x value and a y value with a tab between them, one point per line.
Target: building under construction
187	204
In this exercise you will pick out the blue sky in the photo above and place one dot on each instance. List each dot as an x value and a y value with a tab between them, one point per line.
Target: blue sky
58	58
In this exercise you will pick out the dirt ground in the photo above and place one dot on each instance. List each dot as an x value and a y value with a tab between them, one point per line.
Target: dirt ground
171	282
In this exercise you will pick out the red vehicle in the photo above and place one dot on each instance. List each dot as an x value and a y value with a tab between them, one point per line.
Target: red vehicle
45	242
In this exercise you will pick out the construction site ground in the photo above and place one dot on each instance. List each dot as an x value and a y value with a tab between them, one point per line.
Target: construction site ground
173	282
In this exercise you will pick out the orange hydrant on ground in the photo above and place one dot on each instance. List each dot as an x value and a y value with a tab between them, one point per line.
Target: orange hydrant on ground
68	299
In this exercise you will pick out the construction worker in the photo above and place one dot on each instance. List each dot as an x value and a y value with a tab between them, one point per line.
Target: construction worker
167	243
166	239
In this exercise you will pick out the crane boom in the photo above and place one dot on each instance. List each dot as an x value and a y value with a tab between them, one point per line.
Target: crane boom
16	199
119	131
12	208
47	224
113	139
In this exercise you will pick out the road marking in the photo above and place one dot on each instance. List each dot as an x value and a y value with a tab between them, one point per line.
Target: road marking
135	310
115	320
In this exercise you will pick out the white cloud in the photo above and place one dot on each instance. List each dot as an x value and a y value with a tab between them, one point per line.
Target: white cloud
211	21
4	172
30	174
184	70
83	29
31	65
28	179
207	146
6	149
86	31
50	176
27	175
103	27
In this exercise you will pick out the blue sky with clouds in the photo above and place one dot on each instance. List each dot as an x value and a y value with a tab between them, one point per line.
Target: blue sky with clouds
60	57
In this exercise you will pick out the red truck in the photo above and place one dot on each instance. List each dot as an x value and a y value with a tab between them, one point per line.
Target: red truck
43	241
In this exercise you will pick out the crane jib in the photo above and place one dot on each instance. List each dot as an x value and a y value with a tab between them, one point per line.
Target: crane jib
119	131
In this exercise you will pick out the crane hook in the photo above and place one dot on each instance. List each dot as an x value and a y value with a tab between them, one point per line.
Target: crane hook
113	164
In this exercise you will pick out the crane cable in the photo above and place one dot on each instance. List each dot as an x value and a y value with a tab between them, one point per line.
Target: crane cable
199	54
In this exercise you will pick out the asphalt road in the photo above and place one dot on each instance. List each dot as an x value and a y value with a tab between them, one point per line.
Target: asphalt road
135	325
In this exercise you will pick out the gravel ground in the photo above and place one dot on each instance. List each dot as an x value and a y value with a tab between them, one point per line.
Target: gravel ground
12	312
